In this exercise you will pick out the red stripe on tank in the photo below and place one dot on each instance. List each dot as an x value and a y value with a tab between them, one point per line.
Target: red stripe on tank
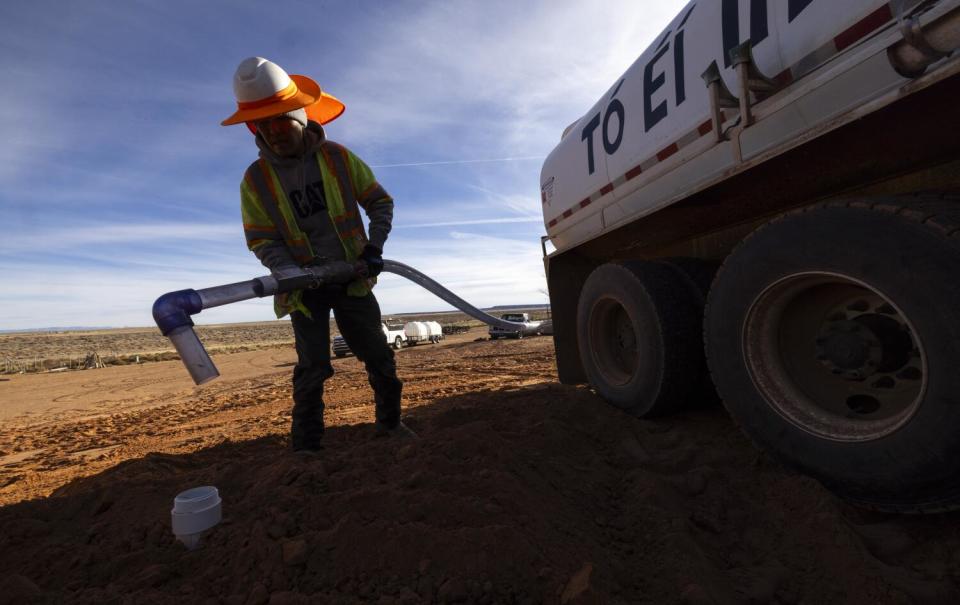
667	152
863	27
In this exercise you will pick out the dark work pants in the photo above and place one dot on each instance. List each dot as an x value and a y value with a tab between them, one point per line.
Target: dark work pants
358	319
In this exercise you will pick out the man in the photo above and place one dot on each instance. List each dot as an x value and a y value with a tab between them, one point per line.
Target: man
300	204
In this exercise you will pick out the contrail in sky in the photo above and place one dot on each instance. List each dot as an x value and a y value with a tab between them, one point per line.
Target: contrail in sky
482	221
533	157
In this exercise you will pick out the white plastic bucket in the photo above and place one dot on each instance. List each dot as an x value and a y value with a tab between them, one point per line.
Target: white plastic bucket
194	512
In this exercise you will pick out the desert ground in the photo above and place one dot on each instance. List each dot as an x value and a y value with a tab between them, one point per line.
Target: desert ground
519	490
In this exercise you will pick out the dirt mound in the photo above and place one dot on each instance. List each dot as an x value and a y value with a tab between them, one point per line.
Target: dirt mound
539	494
519	491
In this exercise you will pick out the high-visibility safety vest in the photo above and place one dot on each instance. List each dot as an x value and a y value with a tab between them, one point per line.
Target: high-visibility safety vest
268	216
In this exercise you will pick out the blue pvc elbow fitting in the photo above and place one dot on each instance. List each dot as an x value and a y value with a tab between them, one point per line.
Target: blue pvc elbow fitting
173	310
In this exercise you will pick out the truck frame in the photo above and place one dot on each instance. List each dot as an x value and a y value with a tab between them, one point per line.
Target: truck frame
784	229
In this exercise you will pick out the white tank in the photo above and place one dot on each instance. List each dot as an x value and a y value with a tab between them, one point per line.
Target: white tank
650	140
416	331
435	329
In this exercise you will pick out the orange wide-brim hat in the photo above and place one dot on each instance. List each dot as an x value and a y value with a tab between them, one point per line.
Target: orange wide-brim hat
302	92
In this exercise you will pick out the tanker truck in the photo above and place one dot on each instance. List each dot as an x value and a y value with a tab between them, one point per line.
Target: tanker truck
763	206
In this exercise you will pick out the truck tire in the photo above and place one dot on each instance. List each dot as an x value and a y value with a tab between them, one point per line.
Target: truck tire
699	274
397	343
832	335
639	331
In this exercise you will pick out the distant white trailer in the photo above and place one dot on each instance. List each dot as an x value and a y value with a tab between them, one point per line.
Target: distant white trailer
436	331
422	331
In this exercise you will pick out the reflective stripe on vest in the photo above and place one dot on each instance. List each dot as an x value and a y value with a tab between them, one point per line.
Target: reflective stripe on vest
262	181
345	214
373	193
262	178
259	233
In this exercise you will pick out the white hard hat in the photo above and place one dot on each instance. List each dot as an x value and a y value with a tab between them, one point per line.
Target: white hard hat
263	89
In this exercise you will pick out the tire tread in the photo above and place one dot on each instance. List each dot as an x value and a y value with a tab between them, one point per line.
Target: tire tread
938	212
679	326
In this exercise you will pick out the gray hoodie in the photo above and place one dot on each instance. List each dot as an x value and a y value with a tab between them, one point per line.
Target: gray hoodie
303	185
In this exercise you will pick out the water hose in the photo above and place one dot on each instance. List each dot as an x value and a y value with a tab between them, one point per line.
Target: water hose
430	285
172	311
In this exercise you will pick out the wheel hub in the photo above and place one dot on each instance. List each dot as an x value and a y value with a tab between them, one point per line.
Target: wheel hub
844	348
834	356
617	344
857	342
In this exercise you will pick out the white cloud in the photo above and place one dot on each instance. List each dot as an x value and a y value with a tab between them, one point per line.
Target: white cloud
526	70
451	162
480	221
101	296
117	183
483	270
84	235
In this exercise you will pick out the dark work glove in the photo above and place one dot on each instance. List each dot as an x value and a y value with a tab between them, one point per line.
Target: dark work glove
373	256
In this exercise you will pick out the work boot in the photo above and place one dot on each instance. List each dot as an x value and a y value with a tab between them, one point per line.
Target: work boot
306	453
401	431
307	448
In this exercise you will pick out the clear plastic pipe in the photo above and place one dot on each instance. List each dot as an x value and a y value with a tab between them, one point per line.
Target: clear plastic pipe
195	358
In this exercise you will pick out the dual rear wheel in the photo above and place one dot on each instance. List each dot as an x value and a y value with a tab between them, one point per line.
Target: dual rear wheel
639	332
832	336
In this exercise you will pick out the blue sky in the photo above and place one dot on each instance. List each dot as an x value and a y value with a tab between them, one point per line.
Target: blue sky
117	182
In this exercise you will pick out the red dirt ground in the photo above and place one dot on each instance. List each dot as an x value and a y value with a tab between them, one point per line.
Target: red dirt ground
520	490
